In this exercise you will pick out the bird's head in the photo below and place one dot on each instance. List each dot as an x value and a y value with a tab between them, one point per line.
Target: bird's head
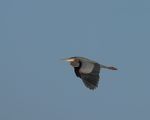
74	61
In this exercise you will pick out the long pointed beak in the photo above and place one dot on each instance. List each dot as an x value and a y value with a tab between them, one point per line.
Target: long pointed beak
68	59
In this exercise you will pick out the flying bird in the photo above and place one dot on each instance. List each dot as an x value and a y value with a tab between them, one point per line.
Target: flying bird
88	70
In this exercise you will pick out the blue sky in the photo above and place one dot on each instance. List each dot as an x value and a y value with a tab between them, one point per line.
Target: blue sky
35	34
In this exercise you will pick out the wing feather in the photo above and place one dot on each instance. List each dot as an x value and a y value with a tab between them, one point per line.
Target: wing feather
91	80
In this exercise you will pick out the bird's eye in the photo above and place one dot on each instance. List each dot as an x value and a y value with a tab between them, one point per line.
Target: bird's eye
74	64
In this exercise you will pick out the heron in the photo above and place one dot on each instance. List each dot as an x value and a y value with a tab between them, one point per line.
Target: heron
88	70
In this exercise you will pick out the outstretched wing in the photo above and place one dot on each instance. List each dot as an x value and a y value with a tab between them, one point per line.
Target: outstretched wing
91	79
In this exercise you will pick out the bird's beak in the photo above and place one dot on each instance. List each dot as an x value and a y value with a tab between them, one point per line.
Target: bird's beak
68	59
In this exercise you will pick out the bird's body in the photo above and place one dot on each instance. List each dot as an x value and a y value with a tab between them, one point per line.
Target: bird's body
88	70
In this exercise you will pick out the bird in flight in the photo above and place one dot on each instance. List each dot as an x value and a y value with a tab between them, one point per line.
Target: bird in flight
88	70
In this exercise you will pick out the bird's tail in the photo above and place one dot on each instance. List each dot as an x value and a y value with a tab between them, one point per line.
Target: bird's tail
109	67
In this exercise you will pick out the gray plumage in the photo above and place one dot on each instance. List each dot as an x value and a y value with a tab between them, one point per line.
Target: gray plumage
91	80
88	70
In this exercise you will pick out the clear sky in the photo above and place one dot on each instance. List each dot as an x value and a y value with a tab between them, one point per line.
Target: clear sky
36	85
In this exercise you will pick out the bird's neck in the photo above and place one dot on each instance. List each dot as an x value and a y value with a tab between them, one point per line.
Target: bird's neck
76	69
